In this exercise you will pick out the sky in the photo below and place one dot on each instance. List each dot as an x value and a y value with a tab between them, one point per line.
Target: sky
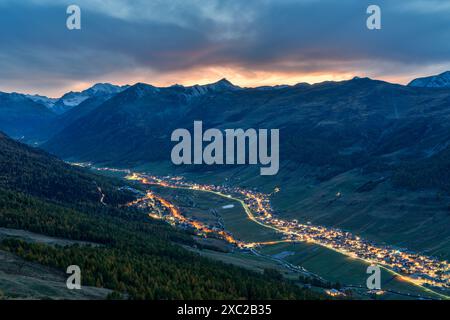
249	42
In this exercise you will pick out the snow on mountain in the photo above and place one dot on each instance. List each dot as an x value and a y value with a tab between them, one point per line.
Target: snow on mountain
73	99
198	90
46	101
105	88
439	81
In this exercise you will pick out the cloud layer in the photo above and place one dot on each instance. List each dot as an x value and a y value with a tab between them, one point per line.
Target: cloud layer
252	42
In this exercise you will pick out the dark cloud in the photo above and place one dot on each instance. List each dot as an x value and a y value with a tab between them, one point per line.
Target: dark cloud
159	37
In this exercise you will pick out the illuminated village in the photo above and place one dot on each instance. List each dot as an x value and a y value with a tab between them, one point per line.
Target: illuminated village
420	269
413	267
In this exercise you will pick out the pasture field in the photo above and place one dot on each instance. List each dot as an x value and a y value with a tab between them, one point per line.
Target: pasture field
208	207
336	267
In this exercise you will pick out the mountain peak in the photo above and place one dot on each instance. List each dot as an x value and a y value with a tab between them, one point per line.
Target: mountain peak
141	89
224	81
360	78
219	86
73	99
222	84
106	88
438	81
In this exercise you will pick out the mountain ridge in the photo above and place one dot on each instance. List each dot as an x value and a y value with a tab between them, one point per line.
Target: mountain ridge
441	80
21	116
172	105
72	99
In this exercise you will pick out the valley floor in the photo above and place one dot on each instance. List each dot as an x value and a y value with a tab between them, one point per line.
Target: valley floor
328	264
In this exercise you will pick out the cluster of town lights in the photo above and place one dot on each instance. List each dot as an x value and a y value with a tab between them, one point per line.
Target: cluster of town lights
416	268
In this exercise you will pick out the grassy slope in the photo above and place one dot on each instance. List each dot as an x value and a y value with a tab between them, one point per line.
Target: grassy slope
335	266
22	279
415	220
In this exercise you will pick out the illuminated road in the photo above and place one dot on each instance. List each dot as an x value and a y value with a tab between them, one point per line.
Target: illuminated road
416	269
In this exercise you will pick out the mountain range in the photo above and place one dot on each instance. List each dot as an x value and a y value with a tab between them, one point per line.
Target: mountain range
22	117
362	155
73	99
33	118
336	126
384	146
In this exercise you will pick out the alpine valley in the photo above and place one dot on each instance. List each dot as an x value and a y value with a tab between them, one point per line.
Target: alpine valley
364	177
